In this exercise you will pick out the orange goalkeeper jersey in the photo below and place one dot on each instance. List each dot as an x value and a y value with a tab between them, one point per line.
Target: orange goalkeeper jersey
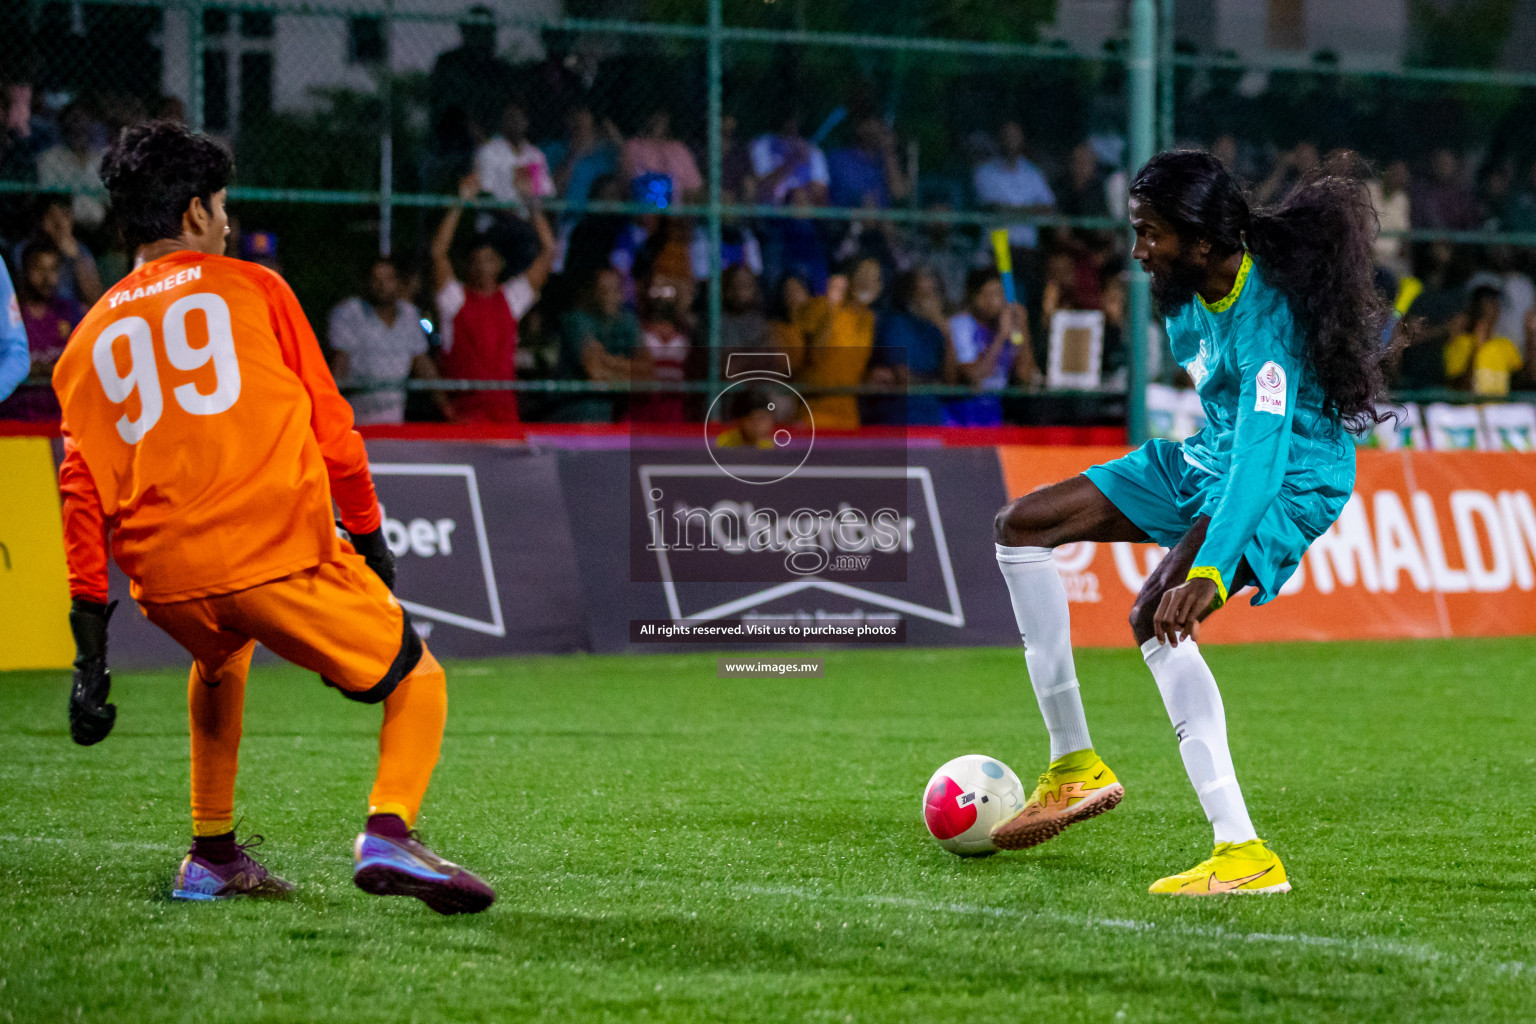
204	432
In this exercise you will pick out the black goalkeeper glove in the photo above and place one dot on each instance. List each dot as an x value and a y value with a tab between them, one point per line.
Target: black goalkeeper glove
90	716
377	554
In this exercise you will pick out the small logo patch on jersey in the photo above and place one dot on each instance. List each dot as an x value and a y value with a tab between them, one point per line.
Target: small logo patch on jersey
1271	389
1197	369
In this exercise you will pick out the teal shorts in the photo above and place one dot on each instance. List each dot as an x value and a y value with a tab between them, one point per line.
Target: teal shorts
1163	494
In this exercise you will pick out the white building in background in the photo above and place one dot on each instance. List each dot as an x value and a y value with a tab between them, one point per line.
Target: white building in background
256	60
1365	34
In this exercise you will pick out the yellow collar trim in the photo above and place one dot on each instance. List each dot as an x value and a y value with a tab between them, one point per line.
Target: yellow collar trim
1224	304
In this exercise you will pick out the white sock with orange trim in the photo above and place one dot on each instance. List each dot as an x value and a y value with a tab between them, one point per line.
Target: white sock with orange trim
1200	722
1040	609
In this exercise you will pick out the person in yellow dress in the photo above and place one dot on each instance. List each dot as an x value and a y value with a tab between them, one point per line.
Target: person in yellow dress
1477	359
835	340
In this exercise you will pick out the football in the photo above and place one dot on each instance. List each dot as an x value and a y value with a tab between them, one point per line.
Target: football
965	798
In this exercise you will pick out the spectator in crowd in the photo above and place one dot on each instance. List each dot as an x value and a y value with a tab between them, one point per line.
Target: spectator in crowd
75	164
789	169
794	247
1478	358
737	184
597	236
786	320
1081	192
478	316
559	81
949	251
1113	299
754	424
742	323
26	135
469	84
839	336
876	239
1517	295
1012	184
377	344
587	153
600	342
666	347
49	319
986	360
1389	196
913	340
1444	201
79	277
655	152
868	173
1520	213
1293	165
1224	148
1071	282
1440	284
739	246
1495	190
509	166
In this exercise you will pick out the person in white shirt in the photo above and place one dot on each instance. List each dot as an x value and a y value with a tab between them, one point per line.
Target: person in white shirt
509	166
75	164
1013	184
785	162
1389	195
377	344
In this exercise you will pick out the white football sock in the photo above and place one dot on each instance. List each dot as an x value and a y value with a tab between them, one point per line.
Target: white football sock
1194	706
1040	609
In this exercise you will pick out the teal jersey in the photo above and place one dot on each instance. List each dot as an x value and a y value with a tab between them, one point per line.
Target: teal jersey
1266	437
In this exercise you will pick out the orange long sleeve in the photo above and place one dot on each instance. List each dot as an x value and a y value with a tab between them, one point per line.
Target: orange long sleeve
346	459
85	527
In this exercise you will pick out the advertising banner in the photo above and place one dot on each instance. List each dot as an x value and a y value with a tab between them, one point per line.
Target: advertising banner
1431	544
485	561
34	585
854	538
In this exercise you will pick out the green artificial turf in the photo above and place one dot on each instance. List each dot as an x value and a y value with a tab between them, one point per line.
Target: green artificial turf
669	846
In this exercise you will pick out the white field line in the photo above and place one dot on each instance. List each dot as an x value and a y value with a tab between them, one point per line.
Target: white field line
1352	946
80	842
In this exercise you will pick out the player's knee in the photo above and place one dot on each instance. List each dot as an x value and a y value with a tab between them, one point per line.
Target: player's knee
1017	524
1143	614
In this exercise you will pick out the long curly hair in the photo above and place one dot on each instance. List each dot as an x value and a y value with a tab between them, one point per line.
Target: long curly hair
1314	245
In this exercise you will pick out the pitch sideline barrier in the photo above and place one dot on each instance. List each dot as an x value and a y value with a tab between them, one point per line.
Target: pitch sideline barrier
1431	544
506	549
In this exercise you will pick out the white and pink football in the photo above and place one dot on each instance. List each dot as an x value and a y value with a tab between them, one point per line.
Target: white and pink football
965	798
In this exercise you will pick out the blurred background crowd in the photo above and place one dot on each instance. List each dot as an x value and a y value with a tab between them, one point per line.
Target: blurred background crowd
560	238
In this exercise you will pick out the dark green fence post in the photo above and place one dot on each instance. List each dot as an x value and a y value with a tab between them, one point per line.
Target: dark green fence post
714	72
1165	70
195	103
1142	134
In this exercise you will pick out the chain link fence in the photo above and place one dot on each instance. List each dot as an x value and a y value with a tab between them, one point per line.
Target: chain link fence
794	177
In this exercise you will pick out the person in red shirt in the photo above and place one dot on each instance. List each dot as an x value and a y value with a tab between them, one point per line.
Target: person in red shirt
205	439
479	315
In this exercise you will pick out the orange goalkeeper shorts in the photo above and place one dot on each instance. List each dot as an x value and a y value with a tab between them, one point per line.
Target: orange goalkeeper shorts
337	619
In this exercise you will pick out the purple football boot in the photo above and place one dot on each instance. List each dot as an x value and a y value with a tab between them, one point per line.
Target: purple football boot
202	879
403	866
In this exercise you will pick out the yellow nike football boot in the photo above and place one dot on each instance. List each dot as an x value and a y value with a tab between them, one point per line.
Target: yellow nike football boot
1233	867
1074	788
